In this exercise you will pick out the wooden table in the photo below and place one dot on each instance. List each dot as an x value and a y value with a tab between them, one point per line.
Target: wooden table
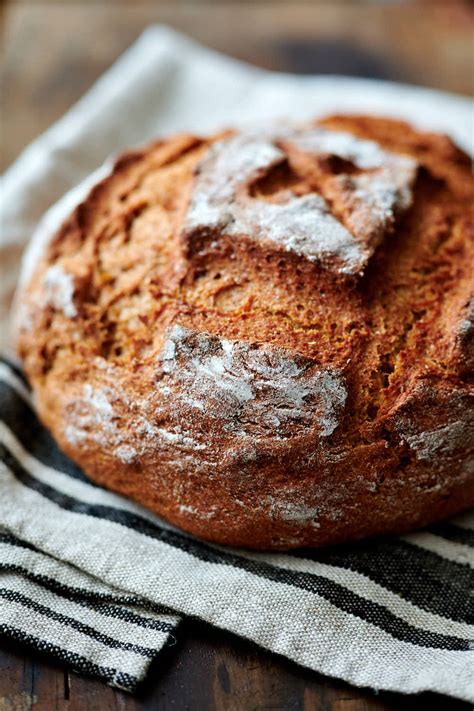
208	670
52	52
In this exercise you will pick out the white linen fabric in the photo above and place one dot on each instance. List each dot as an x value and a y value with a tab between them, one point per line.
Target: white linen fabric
101	583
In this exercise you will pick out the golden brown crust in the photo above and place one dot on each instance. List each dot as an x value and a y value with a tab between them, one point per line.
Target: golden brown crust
254	391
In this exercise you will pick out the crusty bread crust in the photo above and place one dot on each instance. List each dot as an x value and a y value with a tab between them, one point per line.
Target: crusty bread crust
267	339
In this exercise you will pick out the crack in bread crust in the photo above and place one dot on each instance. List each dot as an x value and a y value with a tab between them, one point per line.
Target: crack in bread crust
221	201
250	394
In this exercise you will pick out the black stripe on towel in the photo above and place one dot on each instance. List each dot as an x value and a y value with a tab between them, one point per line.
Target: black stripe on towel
87	630
399	566
73	660
93	598
453	533
16	370
107	605
60	588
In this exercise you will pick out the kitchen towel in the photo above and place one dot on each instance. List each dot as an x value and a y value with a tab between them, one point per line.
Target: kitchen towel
101	583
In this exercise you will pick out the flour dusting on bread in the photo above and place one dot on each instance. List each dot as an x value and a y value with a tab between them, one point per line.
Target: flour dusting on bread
254	390
289	510
446	439
92	416
97	416
221	199
59	290
365	154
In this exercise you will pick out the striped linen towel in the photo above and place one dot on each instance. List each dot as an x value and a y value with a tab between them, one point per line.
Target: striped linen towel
101	584
73	617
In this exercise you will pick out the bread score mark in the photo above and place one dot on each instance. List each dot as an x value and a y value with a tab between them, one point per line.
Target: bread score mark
248	390
207	385
369	198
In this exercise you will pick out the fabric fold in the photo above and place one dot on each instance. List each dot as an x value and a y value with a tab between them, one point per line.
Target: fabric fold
76	619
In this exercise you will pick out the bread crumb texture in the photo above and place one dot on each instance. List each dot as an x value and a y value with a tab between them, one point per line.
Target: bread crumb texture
267	337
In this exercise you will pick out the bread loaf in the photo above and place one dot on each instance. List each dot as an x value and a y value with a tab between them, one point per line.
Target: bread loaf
266	337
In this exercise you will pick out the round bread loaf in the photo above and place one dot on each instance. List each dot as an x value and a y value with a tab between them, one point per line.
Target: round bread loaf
266	337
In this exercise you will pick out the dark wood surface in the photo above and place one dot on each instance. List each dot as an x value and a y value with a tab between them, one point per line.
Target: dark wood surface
51	53
208	670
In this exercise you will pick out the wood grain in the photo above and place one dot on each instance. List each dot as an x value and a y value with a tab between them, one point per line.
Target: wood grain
52	52
208	670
